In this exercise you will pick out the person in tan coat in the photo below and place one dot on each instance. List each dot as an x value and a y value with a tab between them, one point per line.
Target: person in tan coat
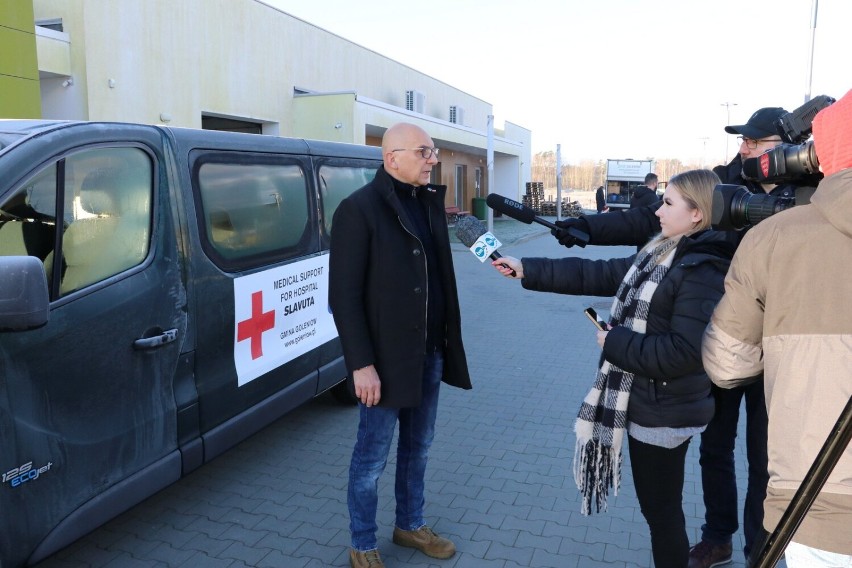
785	313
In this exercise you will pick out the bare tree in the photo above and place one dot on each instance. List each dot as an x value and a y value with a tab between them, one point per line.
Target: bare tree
589	174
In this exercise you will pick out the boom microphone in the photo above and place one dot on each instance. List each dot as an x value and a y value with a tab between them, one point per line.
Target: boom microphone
515	210
473	234
524	214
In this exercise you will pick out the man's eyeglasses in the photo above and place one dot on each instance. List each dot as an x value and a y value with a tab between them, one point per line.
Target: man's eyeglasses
425	151
751	143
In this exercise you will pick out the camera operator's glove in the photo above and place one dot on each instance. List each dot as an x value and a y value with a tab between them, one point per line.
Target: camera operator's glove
572	231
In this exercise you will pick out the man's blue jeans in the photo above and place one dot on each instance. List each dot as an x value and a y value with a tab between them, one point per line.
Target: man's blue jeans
375	434
718	476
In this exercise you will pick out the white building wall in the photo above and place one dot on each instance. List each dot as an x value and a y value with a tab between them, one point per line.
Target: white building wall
226	57
174	61
507	177
523	137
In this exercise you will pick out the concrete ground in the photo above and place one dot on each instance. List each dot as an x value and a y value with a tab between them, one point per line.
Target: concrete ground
499	478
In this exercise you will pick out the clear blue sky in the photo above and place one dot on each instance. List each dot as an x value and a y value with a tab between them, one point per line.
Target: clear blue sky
610	78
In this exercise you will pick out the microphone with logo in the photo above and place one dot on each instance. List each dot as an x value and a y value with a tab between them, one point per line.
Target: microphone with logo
526	215
475	236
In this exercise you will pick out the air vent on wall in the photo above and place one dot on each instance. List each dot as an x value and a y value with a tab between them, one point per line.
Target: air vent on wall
415	101
456	114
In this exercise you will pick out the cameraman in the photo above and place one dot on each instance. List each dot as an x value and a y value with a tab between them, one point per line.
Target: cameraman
771	319
756	136
718	476
636	225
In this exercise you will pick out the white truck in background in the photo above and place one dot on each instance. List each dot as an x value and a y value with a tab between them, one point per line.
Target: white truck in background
622	177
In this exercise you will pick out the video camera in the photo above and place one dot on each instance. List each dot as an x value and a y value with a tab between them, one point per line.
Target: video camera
794	160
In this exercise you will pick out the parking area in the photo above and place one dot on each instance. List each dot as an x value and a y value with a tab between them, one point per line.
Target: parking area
498	482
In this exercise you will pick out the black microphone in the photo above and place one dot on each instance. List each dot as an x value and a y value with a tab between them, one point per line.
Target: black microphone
474	235
524	214
516	210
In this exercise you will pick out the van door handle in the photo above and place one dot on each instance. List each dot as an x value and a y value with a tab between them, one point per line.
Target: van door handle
155	341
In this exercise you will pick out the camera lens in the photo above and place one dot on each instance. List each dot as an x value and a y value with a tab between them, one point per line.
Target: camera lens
801	160
735	207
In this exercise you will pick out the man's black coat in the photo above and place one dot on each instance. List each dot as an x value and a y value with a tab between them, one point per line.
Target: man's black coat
643	196
378	290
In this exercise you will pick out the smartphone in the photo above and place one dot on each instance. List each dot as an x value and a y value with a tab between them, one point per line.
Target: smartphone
593	315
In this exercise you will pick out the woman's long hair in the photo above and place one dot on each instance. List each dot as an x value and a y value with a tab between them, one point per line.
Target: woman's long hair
696	187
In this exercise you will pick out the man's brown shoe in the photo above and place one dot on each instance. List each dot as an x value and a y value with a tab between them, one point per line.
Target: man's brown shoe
426	541
707	555
369	559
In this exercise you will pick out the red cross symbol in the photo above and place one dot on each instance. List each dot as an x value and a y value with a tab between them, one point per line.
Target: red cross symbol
254	327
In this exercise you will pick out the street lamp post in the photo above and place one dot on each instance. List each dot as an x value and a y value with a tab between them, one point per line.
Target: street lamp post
727	106
814	7
704	139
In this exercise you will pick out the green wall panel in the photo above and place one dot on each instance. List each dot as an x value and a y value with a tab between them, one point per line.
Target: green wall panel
21	98
19	83
18	54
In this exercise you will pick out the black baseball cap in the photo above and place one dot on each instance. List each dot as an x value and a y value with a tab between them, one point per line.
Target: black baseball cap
760	125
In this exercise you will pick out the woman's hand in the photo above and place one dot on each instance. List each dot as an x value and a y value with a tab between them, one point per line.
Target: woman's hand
602	336
506	264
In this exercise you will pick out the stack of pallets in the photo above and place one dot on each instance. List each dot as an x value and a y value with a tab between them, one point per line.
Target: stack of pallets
547	209
571	209
534	196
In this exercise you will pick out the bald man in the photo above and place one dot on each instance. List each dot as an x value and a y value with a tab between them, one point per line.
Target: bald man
394	299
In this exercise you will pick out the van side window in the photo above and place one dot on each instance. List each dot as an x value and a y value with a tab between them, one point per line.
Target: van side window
107	215
106	202
28	217
249	210
336	183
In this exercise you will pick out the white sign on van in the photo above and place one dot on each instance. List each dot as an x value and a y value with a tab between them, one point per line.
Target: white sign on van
280	314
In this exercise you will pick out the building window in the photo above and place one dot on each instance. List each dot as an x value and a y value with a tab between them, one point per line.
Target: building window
230	125
54	24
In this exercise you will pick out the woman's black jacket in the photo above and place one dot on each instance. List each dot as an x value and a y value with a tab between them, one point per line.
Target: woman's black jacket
670	387
378	290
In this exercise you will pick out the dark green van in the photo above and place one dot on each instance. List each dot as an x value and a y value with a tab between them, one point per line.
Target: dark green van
163	295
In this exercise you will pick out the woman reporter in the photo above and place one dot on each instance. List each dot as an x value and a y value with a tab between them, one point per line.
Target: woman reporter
650	383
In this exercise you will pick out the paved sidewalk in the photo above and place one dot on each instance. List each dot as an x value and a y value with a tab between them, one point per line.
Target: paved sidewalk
499	479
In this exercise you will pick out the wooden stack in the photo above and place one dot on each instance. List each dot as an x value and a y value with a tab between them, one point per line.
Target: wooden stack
547	209
534	196
571	209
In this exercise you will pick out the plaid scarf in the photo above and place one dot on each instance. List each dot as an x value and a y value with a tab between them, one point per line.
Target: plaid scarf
602	421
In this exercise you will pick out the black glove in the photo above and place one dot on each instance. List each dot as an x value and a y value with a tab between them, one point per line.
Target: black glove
572	231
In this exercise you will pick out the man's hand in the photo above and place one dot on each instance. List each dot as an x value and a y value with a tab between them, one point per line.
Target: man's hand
368	387
568	237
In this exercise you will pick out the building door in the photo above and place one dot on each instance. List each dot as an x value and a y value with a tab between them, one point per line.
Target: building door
460	179
477	180
435	177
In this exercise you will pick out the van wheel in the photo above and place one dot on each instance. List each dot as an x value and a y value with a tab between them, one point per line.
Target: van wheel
341	394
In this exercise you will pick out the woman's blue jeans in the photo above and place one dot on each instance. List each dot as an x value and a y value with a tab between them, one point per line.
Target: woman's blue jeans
370	456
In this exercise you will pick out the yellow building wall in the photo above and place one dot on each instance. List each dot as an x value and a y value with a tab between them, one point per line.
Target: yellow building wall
327	117
239	59
167	61
19	82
